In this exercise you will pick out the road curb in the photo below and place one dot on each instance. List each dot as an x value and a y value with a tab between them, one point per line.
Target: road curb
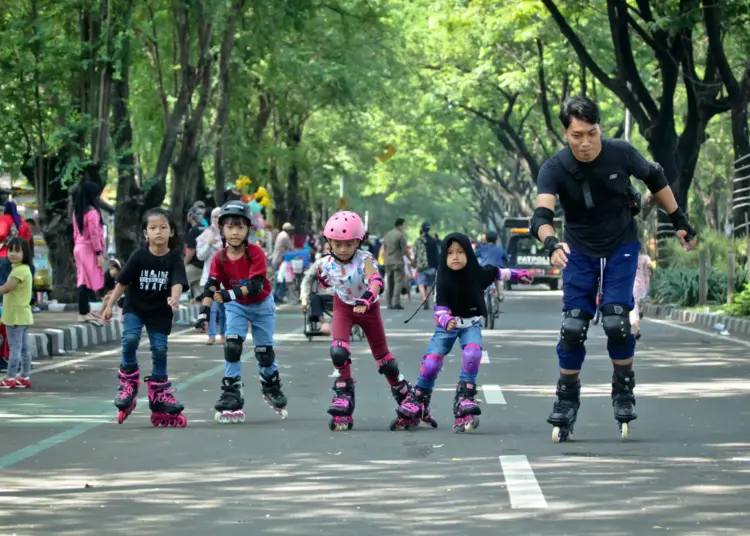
708	320
57	341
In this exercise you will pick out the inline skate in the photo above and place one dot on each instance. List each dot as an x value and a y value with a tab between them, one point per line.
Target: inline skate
127	393
565	410
271	387
342	405
229	406
623	401
166	410
466	410
415	408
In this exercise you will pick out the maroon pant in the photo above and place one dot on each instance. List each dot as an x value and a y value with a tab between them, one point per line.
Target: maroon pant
344	318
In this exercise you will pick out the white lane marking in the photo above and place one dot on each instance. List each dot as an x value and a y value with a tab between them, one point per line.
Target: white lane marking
699	331
523	489
485	357
68	362
493	394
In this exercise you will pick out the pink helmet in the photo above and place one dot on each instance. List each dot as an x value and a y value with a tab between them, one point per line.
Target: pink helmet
344	225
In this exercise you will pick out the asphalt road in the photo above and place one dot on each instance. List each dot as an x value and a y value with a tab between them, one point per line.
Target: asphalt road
67	468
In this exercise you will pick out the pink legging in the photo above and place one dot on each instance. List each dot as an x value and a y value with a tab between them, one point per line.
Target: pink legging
344	318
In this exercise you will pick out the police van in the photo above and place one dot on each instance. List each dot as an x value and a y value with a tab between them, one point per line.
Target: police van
526	252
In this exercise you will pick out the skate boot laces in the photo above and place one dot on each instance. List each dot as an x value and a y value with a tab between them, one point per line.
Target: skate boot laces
127	388
165	396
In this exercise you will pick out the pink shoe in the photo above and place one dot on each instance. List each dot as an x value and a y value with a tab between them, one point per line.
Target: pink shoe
325	329
8	383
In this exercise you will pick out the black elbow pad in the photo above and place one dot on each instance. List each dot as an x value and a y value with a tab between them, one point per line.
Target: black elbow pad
541	216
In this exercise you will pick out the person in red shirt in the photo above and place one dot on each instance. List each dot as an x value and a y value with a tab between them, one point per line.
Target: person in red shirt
11	226
237	279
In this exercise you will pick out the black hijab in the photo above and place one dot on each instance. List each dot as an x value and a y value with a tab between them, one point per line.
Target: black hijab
86	198
462	291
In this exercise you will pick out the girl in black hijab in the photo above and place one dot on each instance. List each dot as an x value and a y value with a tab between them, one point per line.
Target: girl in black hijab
459	308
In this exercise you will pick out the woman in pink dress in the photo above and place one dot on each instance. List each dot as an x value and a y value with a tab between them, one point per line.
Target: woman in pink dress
640	289
88	251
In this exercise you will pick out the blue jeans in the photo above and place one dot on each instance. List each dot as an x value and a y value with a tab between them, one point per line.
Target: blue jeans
19	363
580	285
441	344
262	319
131	340
218	317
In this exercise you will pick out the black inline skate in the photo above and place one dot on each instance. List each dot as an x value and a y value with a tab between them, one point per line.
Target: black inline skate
565	409
229	406
623	400
271	387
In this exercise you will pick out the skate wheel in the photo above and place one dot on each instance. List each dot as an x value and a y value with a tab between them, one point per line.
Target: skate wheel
164	422
624	430
394	425
121	417
349	426
217	417
181	421
154	421
332	425
433	422
556	434
284	414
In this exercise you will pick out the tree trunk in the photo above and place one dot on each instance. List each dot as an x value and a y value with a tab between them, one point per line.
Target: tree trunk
741	184
52	199
295	205
225	53
129	203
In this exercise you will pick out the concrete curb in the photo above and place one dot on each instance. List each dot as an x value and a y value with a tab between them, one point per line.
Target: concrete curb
56	341
708	320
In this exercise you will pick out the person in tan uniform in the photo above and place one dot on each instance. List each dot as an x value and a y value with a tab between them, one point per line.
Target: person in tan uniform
394	244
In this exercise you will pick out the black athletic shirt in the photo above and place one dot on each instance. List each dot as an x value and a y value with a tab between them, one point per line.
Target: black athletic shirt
598	231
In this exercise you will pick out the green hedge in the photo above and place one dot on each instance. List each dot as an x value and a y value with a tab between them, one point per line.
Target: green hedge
679	286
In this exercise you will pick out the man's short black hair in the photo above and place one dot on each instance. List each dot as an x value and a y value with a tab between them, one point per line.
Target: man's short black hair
582	108
491	237
400	222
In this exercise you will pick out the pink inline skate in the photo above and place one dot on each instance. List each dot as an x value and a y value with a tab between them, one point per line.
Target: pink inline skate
127	394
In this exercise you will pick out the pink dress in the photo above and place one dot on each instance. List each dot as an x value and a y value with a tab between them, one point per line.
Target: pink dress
87	243
640	288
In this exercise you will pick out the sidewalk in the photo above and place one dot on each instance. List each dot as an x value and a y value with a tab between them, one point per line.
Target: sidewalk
736	326
56	330
59	332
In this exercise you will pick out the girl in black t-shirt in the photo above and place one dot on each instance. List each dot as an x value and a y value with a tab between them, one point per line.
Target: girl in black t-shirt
154	278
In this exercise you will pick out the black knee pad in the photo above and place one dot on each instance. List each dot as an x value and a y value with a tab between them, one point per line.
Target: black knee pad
390	368
233	349
132	342
616	322
574	329
265	355
340	354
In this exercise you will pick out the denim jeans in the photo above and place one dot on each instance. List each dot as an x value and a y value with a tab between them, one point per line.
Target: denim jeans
218	318
262	319
19	363
131	339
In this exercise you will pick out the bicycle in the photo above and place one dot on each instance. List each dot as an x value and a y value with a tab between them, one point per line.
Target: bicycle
492	303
